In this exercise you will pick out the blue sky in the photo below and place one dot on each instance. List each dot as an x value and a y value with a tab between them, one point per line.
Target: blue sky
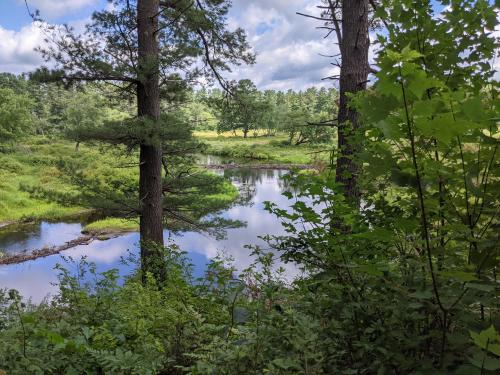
14	15
287	45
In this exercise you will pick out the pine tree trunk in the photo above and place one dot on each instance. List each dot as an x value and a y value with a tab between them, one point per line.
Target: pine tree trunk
148	102
353	78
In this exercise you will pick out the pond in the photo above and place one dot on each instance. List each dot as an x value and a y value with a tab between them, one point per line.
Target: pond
35	279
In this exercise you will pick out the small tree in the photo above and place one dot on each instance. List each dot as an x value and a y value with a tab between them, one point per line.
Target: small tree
83	110
243	111
15	115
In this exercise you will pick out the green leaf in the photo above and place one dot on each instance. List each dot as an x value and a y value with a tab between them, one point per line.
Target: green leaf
440	127
390	130
54	338
481	287
486	363
460	275
407	54
389	86
240	315
422	294
419	83
371	269
487	339
282	363
28	319
473	109
424	108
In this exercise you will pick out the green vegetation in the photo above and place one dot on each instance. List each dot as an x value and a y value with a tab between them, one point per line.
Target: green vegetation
303	116
112	225
44	178
32	165
263	148
15	119
139	328
403	280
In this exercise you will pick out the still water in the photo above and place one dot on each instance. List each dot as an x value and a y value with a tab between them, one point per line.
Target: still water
35	279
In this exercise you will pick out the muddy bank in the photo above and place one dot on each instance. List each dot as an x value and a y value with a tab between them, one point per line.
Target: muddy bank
6	224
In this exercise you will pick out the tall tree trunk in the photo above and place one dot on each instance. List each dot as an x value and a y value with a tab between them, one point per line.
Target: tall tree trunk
148	103
353	78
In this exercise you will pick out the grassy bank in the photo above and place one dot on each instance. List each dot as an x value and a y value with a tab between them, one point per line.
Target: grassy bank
112	225
224	196
49	179
24	167
263	148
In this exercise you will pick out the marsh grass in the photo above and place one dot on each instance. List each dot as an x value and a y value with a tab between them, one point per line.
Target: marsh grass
46	179
263	148
112	225
25	166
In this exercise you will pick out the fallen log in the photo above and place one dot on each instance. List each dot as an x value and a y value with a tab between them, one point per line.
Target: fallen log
28	255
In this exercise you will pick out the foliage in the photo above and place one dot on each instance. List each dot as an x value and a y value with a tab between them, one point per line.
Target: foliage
39	184
15	115
421	256
243	110
305	116
94	325
274	149
93	329
406	285
85	110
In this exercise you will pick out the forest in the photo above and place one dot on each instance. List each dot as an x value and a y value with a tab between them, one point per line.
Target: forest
183	192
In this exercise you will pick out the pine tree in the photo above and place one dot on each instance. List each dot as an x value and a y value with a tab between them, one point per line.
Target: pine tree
142	46
349	22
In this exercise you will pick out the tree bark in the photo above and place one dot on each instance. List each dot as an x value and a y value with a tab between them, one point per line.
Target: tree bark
354	72
148	104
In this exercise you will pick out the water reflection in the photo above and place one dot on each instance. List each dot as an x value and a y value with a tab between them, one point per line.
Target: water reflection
37	236
35	278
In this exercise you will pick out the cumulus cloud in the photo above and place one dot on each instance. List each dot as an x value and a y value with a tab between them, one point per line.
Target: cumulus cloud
17	49
57	8
288	46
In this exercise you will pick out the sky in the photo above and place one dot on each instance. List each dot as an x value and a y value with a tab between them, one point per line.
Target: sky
288	46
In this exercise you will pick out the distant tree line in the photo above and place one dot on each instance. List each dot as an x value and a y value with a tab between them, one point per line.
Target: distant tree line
30	107
305	116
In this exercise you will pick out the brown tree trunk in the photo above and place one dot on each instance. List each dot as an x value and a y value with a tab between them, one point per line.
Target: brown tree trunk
353	78
148	103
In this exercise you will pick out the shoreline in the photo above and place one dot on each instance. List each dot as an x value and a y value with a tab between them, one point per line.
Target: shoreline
31	221
91	235
286	167
86	239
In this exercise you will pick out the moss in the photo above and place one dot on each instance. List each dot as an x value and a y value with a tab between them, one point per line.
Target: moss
112	225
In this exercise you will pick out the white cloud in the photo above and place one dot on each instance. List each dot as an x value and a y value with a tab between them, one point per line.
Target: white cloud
288	46
57	8
17	49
